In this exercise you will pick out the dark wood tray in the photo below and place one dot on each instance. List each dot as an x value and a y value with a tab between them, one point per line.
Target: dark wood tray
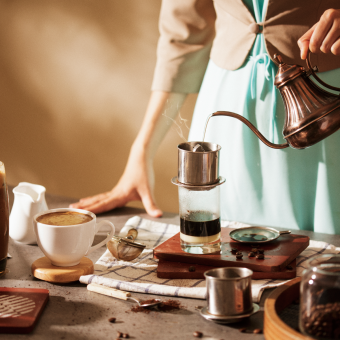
180	270
278	253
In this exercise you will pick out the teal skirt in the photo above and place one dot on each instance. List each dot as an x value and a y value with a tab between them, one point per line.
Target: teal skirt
292	189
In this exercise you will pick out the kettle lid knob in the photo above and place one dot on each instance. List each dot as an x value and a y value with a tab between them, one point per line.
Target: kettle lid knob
286	72
278	58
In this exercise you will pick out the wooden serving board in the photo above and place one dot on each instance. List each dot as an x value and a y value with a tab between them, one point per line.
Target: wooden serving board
20	308
180	270
278	254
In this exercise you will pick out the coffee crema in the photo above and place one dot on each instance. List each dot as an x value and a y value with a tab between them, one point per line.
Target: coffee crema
62	218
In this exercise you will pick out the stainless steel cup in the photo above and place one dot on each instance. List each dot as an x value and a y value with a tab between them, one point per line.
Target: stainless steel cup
198	166
229	291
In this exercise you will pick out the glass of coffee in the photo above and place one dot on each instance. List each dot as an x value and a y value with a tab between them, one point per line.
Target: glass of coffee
4	219
199	197
65	235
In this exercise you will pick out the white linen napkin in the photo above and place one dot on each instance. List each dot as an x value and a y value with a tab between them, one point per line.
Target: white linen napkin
140	275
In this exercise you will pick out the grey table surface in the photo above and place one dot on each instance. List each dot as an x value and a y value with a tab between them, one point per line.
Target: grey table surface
73	312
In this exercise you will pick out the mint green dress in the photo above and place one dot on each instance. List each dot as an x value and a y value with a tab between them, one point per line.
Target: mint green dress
292	189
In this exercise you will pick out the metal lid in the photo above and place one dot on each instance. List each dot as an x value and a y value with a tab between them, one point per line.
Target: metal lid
286	72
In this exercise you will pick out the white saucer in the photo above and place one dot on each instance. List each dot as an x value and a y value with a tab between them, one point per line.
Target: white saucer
227	319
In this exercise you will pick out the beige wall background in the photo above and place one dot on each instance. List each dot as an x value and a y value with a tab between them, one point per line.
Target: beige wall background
75	79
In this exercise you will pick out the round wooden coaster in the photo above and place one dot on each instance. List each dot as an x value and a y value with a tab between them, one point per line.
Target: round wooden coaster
43	269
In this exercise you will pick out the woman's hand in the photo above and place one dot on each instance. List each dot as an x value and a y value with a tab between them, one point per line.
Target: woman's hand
136	184
324	36
137	181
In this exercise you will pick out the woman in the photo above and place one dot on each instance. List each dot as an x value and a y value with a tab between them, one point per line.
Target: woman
283	188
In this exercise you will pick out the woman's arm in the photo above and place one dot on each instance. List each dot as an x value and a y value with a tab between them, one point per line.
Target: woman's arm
137	181
324	36
187	31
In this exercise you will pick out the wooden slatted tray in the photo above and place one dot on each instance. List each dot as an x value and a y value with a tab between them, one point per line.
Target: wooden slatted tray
274	327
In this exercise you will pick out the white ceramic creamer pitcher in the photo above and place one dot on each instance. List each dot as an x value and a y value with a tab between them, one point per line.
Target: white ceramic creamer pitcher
29	200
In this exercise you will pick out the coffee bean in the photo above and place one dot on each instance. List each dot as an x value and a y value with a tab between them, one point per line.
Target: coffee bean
238	253
260	256
257	331
239	256
197	334
192	269
251	254
261	251
242	330
126	336
119	334
254	250
234	250
112	320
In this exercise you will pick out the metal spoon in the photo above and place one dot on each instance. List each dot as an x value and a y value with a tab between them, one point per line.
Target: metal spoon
119	294
145	305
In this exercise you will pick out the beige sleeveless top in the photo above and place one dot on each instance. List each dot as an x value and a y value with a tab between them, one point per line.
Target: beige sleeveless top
192	31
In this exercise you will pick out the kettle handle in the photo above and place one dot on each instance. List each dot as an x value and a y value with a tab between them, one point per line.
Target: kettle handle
314	70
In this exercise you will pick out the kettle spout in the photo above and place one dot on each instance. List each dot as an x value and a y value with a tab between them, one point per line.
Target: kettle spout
251	127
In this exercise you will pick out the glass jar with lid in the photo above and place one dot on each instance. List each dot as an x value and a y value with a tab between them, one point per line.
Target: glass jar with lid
320	297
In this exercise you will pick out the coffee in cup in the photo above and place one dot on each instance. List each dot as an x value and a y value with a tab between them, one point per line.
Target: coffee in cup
61	218
65	235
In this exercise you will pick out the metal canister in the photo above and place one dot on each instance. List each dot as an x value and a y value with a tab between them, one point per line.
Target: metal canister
229	291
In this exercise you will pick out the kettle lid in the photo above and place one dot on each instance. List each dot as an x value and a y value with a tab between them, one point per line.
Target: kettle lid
286	72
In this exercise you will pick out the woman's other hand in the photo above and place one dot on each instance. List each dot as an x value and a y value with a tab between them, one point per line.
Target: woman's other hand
137	181
324	36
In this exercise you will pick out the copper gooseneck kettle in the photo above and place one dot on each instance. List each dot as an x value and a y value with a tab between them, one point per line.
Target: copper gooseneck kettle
312	114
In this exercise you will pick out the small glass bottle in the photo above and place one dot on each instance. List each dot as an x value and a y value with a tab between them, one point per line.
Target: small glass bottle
320	297
4	219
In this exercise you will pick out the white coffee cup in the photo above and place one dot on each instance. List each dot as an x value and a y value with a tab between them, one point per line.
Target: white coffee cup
66	245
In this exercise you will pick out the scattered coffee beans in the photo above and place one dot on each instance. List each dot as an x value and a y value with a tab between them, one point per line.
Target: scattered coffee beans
192	269
260	256
197	334
112	320
254	250
242	330
126	336
257	331
234	250
239	256
119	334
238	253
251	254
261	251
